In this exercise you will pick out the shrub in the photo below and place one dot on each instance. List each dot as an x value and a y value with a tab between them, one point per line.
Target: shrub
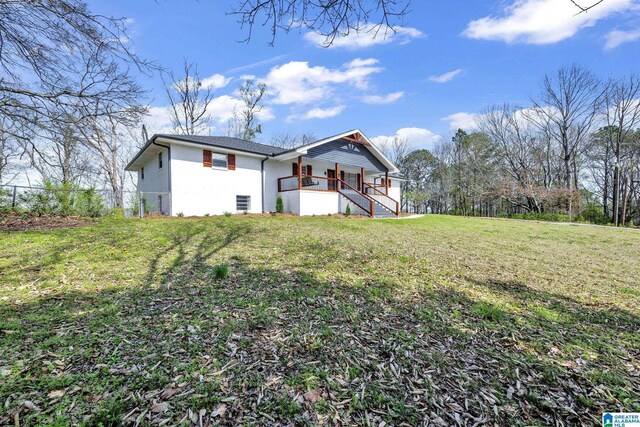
140	201
594	214
89	203
64	200
221	271
542	216
227	213
347	211
279	204
6	197
181	214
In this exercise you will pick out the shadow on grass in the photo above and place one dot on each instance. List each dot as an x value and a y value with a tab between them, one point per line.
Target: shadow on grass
265	346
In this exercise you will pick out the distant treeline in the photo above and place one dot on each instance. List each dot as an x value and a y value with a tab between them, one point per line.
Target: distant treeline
573	154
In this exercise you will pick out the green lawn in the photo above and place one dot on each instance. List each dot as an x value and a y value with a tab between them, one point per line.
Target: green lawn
319	321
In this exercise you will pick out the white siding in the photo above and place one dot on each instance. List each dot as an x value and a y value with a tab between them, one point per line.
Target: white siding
273	170
318	202
394	191
199	190
155	179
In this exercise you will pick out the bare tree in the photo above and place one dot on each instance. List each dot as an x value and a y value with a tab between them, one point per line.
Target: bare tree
111	140
331	19
515	139
245	124
396	149
567	108
9	152
58	154
289	140
41	43
621	110
189	101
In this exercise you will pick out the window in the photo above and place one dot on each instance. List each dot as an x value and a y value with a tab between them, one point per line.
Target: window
219	160
243	203
159	160
142	173
160	203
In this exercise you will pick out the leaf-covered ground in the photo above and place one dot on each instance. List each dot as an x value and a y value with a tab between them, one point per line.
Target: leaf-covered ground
320	321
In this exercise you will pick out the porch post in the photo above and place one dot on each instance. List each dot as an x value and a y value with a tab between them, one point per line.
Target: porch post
299	172
386	183
337	175
362	180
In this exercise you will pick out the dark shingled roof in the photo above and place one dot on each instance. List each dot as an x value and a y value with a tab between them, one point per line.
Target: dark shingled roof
227	142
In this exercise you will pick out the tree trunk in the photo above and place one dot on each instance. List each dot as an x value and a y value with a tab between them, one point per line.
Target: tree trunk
625	198
616	194
605	189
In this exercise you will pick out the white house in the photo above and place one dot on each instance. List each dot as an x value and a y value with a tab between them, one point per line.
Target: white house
200	175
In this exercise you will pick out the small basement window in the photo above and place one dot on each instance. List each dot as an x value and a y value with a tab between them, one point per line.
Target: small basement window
219	160
159	160
243	203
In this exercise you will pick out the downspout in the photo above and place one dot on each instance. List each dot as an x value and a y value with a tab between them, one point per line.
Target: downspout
262	178
168	172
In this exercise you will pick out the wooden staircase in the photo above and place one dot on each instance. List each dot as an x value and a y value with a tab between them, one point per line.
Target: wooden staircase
376	204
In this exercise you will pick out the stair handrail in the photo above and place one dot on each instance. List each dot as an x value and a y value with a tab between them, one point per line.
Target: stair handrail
373	187
370	211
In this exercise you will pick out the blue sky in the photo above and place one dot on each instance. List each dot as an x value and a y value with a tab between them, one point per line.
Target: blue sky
447	61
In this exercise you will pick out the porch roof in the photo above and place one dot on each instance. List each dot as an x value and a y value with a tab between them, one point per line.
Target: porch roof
355	136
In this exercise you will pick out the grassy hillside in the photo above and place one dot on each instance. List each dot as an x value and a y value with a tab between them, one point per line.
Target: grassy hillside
319	321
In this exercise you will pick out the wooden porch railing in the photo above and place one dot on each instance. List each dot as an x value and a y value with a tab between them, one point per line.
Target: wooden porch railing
365	199
307	182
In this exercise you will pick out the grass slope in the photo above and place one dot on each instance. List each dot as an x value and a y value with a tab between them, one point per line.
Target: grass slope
319	321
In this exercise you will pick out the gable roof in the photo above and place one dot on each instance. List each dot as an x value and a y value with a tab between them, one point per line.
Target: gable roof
349	135
238	144
227	142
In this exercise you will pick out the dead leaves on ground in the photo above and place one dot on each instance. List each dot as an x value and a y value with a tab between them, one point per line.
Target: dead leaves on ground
242	354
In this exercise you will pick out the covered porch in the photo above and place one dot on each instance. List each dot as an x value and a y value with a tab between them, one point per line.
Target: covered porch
365	189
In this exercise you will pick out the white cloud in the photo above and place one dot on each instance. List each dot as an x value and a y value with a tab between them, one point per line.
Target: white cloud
541	21
298	83
222	107
216	81
616	38
416	137
461	120
158	121
382	99
446	77
359	62
367	36
318	113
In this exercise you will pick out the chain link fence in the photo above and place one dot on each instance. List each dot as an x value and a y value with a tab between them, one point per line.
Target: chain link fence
66	201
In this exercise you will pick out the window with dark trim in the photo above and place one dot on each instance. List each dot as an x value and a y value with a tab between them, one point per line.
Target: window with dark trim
243	203
142	172
159	160
219	160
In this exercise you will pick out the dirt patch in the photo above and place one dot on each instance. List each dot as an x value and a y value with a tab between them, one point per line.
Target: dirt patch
28	222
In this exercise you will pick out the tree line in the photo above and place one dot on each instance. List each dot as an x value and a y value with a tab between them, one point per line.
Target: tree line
573	153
